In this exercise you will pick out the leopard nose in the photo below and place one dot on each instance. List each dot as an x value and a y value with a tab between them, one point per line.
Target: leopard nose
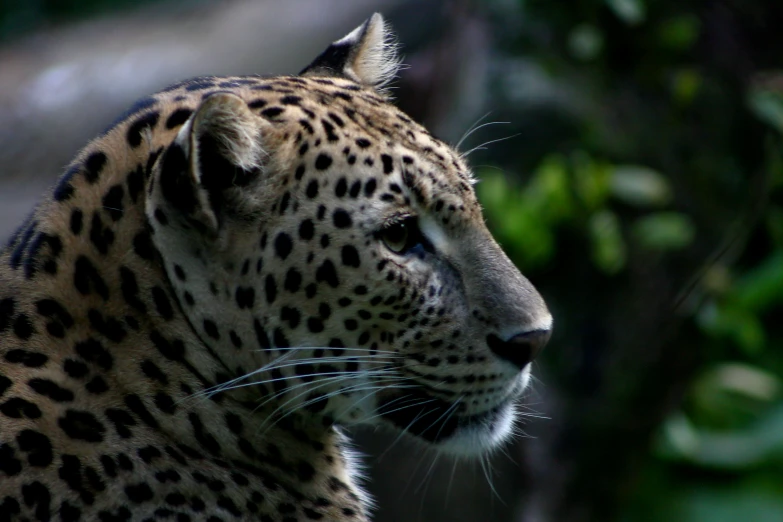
521	348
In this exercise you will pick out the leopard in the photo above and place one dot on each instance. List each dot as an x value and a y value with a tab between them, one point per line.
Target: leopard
233	275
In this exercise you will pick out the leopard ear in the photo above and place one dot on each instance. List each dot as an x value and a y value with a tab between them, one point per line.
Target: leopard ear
217	153
367	55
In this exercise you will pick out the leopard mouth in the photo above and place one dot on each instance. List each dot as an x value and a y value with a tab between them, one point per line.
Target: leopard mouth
440	423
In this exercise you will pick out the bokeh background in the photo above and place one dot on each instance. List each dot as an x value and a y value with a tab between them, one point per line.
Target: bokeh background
630	160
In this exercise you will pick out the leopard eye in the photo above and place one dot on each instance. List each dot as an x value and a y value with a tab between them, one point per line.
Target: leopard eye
400	236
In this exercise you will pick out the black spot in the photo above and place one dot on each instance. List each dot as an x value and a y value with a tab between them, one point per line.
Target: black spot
69	513
280	342
5	383
293	280
9	464
77	221
50	389
270	288
290	100
112	202
178	117
23	328
315	325
369	187
175	184
211	329
17	408
329	129
261	337
165	403
101	237
36	494
151	370
142	245
323	161
245	297
108	326
174	351
235	339
64	189
148	453
92	350
356	187
27	358
362	143
23	236
291	315
283	245
60	318
130	289
341	187
388	164
138	493
341	218
93	166
306	229
228	504
162	303
312	189
136	405
199	84
97	385
350	256
284	202
86	278
161	217
327	273
257	104
121	420
271	112
206	439
81	425
75	369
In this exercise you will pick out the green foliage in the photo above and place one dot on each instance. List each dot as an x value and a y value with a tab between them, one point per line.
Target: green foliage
665	157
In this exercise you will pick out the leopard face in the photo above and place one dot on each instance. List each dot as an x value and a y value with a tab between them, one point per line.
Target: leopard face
334	252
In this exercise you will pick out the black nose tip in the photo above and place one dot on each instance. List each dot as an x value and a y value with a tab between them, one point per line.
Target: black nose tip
521	348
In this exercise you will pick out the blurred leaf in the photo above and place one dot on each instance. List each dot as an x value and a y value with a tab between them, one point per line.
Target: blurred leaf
727	504
768	106
591	181
632	12
730	395
762	286
639	186
679	33
549	192
609	252
734	449
585	42
685	86
664	231
735	322
520	227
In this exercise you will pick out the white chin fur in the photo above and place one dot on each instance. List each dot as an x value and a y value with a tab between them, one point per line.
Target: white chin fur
484	437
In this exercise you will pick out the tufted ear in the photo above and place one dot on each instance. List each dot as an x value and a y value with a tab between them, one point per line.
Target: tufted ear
367	55
217	153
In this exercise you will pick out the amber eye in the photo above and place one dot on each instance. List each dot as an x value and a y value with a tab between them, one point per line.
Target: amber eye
400	235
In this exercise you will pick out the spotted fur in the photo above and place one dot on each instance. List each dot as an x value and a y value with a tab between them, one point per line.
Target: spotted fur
234	269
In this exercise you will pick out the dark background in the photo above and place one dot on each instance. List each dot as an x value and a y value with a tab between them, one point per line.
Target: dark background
637	180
